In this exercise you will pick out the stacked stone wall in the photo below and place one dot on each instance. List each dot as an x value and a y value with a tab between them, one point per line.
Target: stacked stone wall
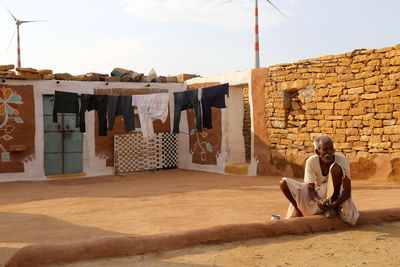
247	123
352	97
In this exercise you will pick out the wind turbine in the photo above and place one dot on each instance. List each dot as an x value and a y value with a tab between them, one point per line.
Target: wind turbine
257	39
18	23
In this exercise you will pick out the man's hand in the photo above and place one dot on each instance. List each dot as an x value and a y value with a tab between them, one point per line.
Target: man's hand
324	204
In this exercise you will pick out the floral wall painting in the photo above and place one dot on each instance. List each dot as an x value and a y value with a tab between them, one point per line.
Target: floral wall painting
9	104
17	126
205	146
200	145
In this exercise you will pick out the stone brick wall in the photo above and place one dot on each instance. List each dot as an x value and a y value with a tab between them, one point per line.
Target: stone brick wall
247	123
352	97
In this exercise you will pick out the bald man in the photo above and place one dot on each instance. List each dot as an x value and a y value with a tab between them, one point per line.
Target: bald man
326	188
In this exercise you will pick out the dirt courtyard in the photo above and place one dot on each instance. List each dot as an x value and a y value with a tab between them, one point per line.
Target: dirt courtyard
138	204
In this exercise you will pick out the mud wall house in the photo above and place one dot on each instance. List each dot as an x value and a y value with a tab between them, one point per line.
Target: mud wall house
353	97
29	139
28	151
273	115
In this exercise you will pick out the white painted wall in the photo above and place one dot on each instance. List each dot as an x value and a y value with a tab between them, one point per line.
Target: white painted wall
235	148
232	145
92	165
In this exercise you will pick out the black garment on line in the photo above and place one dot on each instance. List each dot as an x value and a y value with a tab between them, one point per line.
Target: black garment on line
213	96
91	102
121	105
186	100
65	102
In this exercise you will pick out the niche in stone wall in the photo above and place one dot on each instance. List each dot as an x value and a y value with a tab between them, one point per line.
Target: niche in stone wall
294	108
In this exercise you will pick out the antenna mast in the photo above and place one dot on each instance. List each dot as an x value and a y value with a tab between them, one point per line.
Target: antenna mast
257	41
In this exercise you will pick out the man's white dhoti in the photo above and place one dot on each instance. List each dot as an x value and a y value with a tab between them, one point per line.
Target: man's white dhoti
324	188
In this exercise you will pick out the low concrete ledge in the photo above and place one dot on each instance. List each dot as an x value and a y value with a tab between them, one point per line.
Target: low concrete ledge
45	254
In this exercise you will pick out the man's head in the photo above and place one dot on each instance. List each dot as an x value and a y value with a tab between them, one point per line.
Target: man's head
324	148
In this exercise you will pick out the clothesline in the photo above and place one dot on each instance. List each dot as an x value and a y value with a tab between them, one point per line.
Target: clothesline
150	107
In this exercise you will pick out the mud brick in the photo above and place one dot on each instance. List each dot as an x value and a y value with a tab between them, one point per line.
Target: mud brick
381	101
45	72
351	131
63	76
374	80
371	88
395	61
369	96
378	131
335	91
353	138
31	76
343	105
339	137
360	144
392	129
357	90
380	144
355	83
29	70
357	111
375	62
323	92
384	108
354	123
396	114
389	122
381	116
6	67
113	79
383	50
325	105
346	77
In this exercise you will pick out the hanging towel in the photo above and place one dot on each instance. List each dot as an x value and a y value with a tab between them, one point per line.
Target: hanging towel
151	107
183	101
91	102
120	105
65	102
213	96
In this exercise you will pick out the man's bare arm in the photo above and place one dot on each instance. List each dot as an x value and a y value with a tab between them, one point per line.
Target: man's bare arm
314	196
312	193
346	194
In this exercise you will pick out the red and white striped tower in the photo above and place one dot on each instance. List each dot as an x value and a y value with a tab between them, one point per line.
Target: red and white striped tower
257	41
18	47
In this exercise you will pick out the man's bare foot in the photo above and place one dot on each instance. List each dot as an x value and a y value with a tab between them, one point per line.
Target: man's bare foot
296	214
331	213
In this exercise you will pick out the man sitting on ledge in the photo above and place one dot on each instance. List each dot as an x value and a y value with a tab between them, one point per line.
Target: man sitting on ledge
326	188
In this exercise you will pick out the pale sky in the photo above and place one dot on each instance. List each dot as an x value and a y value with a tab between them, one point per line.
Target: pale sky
190	36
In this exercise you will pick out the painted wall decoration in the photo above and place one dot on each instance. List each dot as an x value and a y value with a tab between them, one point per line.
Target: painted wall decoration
17	128
205	146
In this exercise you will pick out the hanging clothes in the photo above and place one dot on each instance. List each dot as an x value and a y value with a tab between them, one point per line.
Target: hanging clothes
159	107
65	102
213	96
183	101
120	105
91	102
151	107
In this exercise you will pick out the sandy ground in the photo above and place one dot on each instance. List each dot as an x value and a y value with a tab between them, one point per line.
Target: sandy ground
147	203
376	245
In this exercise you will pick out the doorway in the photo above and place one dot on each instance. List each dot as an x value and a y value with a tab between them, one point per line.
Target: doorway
63	141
